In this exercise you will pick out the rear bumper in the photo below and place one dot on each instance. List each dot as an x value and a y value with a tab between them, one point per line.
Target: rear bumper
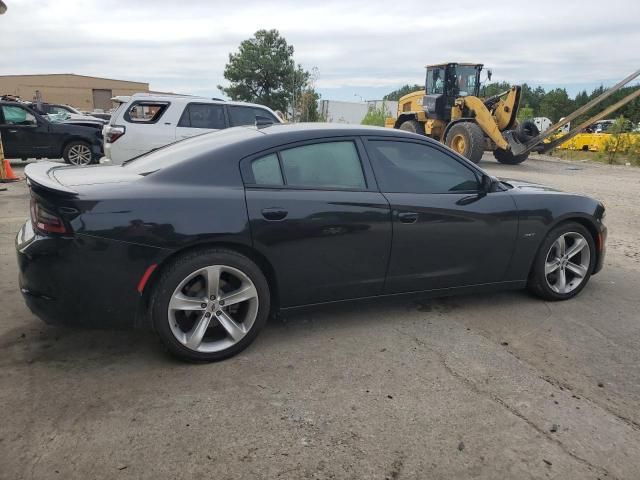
81	280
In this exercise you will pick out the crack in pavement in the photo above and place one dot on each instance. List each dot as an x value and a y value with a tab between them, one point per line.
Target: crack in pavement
496	399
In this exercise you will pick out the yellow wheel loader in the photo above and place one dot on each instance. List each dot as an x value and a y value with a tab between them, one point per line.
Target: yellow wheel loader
450	110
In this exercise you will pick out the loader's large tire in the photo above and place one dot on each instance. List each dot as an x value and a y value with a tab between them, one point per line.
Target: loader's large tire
413	126
467	139
508	158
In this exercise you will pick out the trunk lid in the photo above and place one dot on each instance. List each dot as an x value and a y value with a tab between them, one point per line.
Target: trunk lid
65	180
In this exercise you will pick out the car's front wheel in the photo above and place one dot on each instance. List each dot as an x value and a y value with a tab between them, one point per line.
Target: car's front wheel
78	152
210	304
564	263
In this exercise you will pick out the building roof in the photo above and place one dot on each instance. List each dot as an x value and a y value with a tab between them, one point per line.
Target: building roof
70	74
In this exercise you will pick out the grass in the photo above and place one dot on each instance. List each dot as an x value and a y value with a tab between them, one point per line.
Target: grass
600	157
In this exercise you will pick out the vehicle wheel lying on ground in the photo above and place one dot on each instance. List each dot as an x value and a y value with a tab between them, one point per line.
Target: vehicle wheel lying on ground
78	152
467	139
508	158
564	263
210	304
524	132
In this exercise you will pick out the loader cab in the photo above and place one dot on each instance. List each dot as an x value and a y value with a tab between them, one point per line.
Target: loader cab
445	83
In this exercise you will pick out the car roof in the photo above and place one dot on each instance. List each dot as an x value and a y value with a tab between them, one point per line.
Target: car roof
317	129
188	98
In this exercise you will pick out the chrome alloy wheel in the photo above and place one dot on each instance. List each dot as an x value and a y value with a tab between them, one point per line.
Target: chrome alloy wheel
567	262
213	308
80	154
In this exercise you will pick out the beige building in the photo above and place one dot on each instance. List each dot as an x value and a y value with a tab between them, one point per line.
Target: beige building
80	91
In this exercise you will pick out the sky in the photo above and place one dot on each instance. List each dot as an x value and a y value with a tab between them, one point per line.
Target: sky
361	49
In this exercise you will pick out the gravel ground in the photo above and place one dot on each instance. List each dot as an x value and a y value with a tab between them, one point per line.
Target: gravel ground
479	386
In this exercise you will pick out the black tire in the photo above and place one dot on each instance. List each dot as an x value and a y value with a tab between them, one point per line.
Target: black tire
538	284
508	158
413	126
74	144
180	269
472	145
526	131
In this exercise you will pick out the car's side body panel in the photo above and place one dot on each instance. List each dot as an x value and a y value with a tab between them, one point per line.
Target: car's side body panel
450	244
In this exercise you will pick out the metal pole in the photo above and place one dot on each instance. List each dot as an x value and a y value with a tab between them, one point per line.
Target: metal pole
595	118
572	116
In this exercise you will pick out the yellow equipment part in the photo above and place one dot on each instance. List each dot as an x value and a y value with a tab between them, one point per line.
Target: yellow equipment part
483	117
492	123
596	142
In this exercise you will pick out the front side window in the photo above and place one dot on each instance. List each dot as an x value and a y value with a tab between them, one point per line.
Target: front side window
466	81
203	115
17	116
435	80
406	167
145	112
239	116
326	165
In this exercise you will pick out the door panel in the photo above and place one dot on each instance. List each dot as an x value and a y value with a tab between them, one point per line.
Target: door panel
23	134
438	243
447	231
324	245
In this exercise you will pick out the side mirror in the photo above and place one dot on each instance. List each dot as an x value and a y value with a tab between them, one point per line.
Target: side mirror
263	121
486	184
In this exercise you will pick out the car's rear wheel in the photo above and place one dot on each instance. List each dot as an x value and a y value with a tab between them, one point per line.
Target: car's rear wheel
78	152
209	305
564	263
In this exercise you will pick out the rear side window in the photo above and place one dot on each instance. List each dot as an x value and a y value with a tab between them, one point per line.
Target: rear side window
145	112
405	167
247	115
321	165
266	170
203	115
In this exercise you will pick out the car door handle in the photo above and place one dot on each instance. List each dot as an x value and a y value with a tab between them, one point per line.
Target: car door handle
12	131
274	213
408	217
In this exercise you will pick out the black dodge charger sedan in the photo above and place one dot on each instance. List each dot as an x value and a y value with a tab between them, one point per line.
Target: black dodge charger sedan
202	239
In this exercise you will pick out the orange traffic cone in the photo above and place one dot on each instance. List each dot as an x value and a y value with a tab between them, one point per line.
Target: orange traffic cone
6	173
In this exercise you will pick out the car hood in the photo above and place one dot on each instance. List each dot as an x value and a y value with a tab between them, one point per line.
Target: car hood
528	187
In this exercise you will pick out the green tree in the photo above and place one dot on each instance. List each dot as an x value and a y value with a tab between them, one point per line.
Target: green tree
375	116
617	142
402	91
264	71
308	106
556	104
491	89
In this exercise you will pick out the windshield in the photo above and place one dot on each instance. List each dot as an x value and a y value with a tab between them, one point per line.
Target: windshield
58	117
183	150
466	80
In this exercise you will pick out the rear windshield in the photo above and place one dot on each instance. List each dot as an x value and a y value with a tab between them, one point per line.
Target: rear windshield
184	150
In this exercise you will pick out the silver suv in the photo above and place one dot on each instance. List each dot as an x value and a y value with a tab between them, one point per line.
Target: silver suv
144	122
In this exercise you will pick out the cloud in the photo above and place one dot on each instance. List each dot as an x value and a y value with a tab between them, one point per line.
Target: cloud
357	46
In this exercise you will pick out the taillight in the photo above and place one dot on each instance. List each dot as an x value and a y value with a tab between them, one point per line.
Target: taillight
113	133
46	221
